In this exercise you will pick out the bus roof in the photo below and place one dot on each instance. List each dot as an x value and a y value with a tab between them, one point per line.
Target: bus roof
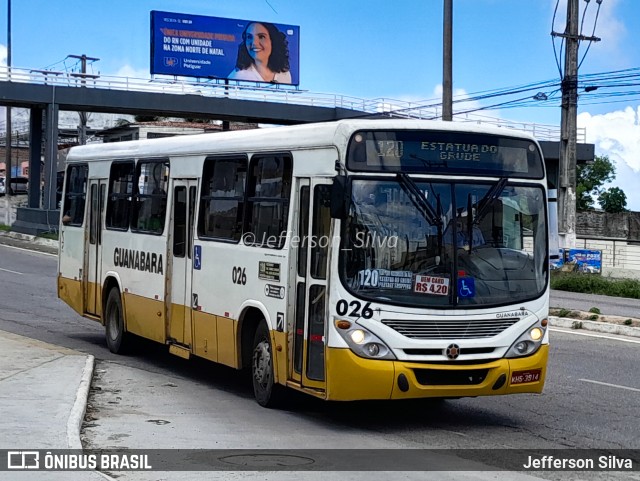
303	136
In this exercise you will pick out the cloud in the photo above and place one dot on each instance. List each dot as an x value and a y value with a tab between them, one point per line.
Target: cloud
129	71
617	135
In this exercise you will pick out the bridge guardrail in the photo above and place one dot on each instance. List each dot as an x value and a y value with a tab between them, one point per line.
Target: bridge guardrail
428	109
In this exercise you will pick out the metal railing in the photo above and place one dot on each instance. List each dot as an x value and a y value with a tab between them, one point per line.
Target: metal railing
268	93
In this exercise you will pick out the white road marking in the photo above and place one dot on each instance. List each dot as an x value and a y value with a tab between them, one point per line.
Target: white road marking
623	339
610	385
12	272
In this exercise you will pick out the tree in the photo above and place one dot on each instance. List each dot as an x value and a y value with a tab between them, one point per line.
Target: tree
590	178
613	200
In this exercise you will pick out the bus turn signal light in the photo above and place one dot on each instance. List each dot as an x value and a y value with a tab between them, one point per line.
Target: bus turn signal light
343	324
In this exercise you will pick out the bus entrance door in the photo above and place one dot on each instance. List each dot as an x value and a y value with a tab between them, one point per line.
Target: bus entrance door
314	226
181	258
93	258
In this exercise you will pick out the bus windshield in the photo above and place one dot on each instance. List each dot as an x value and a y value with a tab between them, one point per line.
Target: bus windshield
444	243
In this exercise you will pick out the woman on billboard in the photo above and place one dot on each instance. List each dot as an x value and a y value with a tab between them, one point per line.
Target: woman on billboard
263	55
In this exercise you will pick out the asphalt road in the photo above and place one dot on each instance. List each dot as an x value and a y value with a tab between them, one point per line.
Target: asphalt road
611	306
591	399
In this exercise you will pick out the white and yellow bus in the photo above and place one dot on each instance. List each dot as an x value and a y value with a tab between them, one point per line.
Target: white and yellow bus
359	259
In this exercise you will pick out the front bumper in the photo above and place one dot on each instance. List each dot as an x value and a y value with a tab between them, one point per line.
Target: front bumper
351	378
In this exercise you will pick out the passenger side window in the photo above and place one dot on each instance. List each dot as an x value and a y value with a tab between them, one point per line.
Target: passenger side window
150	199
75	195
268	200
120	192
222	198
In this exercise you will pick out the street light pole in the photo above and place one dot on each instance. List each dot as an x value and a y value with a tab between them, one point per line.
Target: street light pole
567	194
7	148
447	56
82	128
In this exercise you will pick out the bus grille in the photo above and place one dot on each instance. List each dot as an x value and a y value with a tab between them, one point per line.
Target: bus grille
450	329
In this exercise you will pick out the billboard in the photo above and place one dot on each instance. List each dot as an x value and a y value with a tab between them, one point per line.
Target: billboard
586	260
224	48
579	260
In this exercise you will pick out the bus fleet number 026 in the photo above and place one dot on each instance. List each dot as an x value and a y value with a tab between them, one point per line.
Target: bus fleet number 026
357	309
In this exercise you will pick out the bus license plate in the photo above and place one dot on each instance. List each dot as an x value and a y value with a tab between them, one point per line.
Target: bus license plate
521	377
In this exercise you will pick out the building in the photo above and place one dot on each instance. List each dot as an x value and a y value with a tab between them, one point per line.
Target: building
155	130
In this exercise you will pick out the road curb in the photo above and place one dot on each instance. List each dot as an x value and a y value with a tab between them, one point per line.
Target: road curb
31	238
594	326
74	423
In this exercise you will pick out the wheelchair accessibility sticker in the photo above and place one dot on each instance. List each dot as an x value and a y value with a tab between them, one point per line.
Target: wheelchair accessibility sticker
466	287
197	257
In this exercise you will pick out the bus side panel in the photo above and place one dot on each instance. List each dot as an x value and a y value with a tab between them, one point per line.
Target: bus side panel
214	338
139	260
144	316
70	274
205	335
70	291
227	329
279	341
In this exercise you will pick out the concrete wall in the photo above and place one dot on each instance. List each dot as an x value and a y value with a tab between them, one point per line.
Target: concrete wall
617	236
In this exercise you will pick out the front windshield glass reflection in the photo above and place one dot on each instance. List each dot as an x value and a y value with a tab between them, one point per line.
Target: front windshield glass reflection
444	244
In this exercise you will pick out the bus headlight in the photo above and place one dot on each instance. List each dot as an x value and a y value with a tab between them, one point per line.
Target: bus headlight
528	343
364	343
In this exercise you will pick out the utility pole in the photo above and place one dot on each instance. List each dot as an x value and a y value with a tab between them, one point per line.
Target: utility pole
568	150
82	128
447	56
7	147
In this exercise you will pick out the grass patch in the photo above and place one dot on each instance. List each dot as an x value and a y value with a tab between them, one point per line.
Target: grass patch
5	228
595	284
49	235
594	310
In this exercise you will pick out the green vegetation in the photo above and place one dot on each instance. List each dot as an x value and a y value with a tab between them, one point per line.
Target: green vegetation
590	181
564	313
627	322
595	284
594	310
5	228
49	235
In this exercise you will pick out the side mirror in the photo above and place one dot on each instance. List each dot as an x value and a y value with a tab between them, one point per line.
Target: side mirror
340	194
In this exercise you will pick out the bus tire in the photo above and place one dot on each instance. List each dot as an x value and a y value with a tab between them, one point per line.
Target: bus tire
114	323
267	393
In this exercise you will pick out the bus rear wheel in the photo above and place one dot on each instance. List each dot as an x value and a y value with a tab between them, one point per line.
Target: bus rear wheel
114	323
267	393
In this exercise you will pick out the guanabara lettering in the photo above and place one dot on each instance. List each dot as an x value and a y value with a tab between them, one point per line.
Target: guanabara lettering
138	260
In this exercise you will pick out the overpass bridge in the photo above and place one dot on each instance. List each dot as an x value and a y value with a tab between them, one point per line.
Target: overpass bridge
45	93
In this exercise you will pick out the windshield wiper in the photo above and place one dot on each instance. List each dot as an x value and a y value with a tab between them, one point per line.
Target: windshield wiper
418	200
433	217
492	195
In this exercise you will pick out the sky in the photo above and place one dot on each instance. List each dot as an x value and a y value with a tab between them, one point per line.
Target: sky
387	49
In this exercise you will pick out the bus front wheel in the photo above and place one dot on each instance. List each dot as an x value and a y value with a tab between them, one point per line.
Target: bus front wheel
114	323
267	392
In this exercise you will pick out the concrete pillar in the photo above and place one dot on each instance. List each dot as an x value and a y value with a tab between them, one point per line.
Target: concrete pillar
51	157
35	148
